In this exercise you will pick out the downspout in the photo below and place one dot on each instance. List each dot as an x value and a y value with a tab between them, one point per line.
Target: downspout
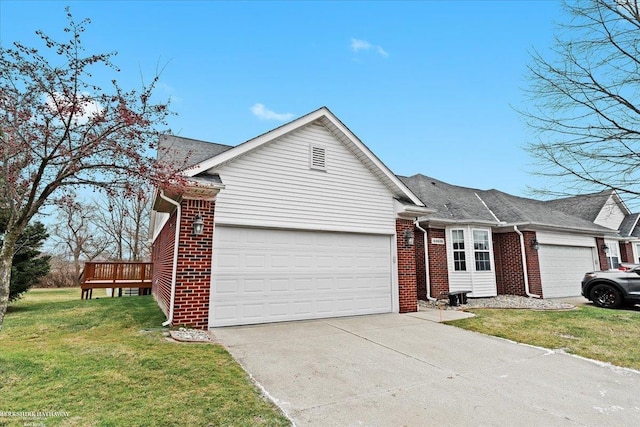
426	261
524	264
174	270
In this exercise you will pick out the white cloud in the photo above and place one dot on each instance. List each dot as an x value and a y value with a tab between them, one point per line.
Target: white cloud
262	112
85	109
358	45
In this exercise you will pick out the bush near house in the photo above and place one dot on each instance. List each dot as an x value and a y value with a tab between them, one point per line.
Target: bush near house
105	362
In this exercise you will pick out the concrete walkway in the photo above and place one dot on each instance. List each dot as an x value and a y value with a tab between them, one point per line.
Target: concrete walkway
403	370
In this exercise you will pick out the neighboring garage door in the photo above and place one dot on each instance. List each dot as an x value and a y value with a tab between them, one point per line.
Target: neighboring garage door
562	269
267	275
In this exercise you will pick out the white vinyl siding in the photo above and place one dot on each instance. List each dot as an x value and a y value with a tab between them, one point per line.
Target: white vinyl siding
266	275
562	239
562	269
611	216
476	247
274	186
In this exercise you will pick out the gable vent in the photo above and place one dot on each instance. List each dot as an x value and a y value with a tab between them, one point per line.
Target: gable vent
318	158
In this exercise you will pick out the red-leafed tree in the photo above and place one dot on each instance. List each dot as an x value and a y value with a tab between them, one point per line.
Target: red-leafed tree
60	130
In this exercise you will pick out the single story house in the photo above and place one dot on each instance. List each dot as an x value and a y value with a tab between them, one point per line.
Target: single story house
306	222
301	222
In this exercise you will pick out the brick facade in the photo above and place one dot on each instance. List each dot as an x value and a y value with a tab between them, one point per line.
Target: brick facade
602	256
626	252
162	258
406	267
507	254
193	275
438	270
421	273
195	254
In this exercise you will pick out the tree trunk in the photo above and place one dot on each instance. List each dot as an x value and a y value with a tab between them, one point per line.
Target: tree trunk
6	260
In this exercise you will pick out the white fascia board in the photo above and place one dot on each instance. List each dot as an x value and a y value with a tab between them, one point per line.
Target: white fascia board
579	230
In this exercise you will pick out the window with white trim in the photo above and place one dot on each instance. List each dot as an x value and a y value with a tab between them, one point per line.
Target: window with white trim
317	158
459	257
613	254
638	252
481	250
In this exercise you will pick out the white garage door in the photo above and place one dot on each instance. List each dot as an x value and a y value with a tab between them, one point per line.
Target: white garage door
266	275
562	269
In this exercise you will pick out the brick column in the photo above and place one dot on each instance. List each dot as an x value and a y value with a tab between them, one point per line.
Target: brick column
407	286
193	280
626	252
438	266
602	256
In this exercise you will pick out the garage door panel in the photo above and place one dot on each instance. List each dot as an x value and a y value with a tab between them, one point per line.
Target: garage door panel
274	275
562	269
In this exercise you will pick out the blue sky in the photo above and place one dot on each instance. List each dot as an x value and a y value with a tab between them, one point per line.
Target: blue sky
429	87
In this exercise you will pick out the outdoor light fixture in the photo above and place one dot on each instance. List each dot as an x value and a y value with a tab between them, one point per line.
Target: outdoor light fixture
198	225
605	248
408	237
535	245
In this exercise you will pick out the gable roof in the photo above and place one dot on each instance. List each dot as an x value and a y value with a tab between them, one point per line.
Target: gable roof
340	132
515	210
451	202
187	152
472	206
587	206
629	225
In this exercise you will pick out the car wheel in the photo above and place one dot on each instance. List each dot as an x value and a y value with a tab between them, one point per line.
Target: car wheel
606	296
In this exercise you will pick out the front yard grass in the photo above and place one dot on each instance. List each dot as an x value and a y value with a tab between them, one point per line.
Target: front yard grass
105	362
605	335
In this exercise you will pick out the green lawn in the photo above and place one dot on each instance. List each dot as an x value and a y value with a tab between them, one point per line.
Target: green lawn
606	335
105	362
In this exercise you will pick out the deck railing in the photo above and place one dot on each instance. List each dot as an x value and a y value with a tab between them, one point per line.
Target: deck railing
116	275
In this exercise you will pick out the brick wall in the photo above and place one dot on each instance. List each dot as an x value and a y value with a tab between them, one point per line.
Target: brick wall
533	263
626	252
602	256
406	268
162	258
421	273
193	280
507	256
438	270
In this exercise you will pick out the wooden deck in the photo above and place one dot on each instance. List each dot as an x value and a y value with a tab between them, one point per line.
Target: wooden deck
116	275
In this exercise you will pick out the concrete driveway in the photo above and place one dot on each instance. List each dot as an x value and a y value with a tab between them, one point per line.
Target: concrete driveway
405	370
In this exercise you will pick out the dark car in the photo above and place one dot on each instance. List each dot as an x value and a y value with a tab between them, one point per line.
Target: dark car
612	288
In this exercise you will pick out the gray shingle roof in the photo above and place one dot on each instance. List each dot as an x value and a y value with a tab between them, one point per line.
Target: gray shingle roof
586	206
514	210
472	205
186	152
629	225
450	201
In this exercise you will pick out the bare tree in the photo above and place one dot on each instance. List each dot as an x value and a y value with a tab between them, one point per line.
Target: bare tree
584	104
59	130
125	220
76	235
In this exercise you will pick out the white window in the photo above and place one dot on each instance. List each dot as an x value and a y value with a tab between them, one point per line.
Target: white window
317	158
459	258
481	250
613	254
638	252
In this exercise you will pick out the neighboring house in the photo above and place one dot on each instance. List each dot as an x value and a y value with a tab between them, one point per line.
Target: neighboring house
608	210
301	222
490	243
